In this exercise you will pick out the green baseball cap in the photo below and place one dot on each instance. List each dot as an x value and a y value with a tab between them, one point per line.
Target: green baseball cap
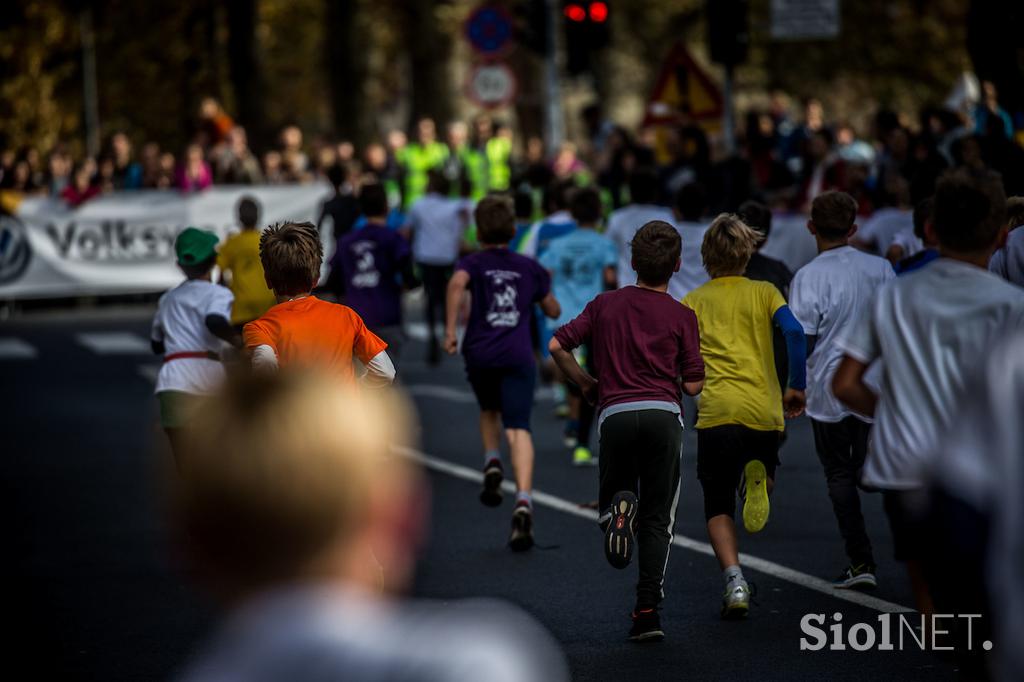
195	246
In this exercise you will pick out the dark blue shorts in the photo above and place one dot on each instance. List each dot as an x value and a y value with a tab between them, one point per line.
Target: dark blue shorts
508	390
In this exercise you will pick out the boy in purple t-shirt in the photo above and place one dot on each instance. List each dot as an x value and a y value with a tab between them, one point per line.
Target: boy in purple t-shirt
499	356
646	348
370	267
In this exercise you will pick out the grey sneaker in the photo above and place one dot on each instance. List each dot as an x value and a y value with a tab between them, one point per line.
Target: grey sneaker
736	600
860	577
521	538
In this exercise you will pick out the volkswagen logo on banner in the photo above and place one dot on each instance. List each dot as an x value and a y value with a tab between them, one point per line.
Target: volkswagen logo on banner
15	252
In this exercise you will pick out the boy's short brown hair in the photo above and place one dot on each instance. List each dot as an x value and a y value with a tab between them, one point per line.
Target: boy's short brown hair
728	246
495	220
291	254
969	211
585	206
656	248
277	467
833	214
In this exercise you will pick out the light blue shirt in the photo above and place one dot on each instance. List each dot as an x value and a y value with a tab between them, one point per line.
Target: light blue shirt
577	262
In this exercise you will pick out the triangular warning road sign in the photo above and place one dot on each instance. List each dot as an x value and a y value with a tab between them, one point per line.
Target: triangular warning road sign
683	87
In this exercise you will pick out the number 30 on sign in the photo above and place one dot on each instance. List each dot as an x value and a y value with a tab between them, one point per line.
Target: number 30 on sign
491	85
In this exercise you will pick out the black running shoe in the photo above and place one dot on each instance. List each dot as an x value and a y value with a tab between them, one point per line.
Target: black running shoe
493	476
521	538
646	626
620	536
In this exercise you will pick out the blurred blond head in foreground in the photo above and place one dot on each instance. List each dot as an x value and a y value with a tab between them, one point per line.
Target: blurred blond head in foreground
294	500
290	477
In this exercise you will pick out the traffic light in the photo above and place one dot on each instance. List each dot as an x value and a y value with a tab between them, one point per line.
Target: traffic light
531	25
728	34
586	31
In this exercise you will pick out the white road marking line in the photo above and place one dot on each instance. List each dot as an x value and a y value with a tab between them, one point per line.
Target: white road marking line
746	560
443	392
419	331
16	349
114	343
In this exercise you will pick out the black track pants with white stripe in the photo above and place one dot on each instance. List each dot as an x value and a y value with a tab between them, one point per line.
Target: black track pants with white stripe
640	452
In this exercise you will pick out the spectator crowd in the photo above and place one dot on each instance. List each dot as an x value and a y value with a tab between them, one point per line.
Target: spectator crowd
783	158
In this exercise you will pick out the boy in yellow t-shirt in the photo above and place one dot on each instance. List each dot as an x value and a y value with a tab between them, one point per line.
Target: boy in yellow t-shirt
239	262
741	406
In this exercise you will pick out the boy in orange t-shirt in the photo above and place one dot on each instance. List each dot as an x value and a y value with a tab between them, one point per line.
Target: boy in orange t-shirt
302	330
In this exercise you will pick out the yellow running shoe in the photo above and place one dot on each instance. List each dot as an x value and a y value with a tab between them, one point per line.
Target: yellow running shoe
583	457
755	496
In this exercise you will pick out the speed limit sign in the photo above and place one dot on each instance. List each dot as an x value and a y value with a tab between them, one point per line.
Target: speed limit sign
491	85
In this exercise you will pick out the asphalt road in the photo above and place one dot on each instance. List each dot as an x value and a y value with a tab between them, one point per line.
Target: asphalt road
98	591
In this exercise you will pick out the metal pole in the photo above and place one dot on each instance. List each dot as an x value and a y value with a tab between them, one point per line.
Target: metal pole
554	123
728	114
90	99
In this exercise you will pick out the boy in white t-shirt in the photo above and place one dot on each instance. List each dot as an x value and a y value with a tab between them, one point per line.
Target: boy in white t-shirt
192	323
827	296
930	328
689	205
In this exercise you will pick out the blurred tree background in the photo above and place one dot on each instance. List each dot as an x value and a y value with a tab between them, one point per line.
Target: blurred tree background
356	68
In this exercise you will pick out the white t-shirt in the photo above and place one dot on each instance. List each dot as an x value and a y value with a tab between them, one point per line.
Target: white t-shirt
979	461
437	224
320	632
691	271
931	328
1008	262
908	241
623	223
883	225
531	242
828	295
180	324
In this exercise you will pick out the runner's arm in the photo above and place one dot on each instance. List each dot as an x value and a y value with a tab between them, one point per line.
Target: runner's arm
221	327
549	306
566	362
794	399
611	277
848	386
380	371
453	299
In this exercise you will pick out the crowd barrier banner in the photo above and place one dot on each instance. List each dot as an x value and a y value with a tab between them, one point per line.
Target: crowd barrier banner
123	242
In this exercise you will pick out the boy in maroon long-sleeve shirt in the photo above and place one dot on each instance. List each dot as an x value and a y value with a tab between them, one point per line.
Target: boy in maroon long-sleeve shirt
646	348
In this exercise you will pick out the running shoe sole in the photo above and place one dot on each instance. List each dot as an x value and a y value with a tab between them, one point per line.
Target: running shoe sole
620	537
522	537
735	611
755	505
649	636
865	581
491	494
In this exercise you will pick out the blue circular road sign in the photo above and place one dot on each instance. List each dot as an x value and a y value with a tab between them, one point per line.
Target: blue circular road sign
489	30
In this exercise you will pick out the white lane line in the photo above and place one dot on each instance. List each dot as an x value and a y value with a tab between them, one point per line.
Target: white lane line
16	349
114	343
756	563
419	331
442	392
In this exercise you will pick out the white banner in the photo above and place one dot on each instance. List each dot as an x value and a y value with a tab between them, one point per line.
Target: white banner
123	243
